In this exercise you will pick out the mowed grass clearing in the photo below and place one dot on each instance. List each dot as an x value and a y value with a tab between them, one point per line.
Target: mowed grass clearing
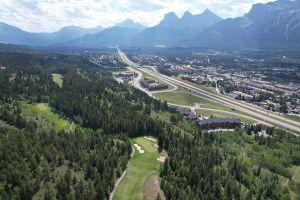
58	79
207	88
43	113
293	117
141	168
296	174
186	99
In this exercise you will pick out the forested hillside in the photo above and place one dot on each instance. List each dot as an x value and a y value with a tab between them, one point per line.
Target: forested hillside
41	161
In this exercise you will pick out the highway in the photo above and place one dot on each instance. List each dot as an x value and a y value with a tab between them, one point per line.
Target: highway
254	111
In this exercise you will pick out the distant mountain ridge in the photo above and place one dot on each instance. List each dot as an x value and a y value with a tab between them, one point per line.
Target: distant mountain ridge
172	29
14	35
110	36
129	23
70	33
271	25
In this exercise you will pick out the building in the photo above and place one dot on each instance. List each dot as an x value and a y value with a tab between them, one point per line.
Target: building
215	123
153	85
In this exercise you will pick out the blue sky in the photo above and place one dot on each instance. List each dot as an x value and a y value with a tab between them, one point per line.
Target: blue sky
51	15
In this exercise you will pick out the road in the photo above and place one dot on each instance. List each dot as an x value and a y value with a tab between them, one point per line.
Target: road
136	81
255	112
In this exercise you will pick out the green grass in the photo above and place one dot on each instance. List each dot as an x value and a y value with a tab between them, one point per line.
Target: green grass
141	168
43	114
296	174
209	113
293	117
183	98
58	79
207	88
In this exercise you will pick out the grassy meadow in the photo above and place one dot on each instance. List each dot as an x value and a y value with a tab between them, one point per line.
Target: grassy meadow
43	114
58	79
185	99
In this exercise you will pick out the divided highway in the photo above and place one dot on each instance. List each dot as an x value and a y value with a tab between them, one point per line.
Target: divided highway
258	113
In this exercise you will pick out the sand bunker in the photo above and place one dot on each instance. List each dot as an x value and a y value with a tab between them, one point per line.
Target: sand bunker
150	139
162	159
140	150
155	145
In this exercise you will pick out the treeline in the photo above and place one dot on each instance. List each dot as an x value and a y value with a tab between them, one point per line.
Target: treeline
82	164
99	102
61	63
29	84
30	161
200	166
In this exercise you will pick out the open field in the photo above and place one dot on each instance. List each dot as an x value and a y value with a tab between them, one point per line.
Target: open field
58	79
143	169
296	173
43	114
200	86
293	117
183	98
209	113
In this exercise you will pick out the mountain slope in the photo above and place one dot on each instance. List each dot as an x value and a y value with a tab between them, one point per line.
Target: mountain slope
129	23
275	24
13	35
110	36
172	29
69	33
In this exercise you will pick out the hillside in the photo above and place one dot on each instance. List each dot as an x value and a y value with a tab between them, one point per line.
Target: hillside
73	141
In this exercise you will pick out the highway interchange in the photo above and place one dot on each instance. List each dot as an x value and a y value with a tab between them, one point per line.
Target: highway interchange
255	112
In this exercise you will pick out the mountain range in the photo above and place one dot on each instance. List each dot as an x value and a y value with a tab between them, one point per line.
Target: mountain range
271	25
13	35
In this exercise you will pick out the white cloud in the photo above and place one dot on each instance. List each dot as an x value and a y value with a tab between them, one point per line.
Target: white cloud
50	15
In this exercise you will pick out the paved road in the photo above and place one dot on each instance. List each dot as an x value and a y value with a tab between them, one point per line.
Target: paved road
258	113
136	81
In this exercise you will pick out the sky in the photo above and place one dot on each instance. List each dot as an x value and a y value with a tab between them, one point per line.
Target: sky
51	15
